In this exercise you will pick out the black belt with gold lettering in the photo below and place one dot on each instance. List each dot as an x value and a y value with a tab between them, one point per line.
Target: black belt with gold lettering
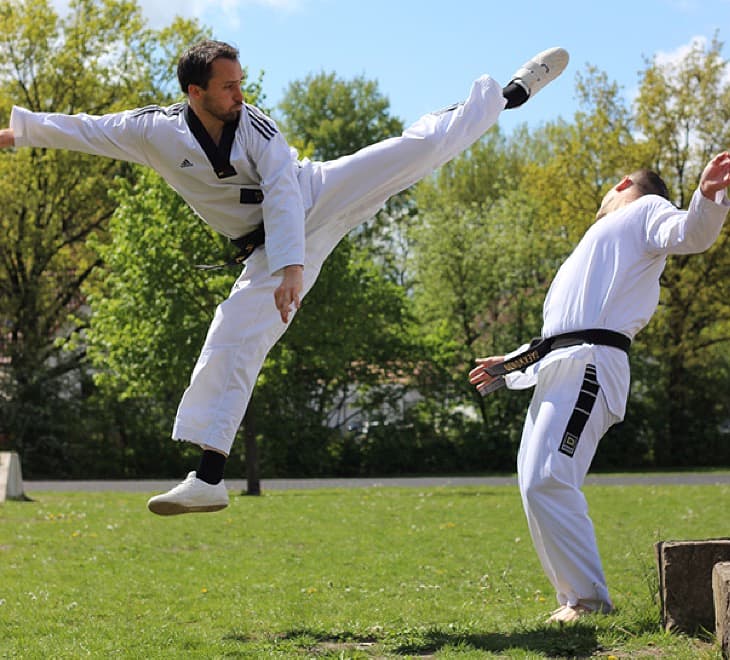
246	244
540	347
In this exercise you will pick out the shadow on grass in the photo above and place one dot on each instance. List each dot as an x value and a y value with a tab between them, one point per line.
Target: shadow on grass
308	639
575	641
572	642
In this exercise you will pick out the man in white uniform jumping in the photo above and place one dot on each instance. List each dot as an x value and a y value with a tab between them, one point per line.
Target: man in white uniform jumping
603	294
234	168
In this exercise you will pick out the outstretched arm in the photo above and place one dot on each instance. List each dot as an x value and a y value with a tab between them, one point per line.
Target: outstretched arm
121	135
7	138
672	231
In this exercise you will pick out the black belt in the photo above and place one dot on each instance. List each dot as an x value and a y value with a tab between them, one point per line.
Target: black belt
246	244
540	347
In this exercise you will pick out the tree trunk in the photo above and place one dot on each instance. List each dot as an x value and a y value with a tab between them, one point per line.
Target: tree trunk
672	450
253	483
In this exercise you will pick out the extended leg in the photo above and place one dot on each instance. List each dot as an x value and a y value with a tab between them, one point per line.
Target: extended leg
351	189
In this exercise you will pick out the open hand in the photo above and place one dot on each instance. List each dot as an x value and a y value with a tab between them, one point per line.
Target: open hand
716	175
288	292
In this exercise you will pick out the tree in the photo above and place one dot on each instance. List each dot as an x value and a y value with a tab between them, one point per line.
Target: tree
328	117
481	272
683	113
97	59
348	340
346	352
331	117
583	159
151	307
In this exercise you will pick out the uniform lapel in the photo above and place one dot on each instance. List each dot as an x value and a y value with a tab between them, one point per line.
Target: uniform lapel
218	155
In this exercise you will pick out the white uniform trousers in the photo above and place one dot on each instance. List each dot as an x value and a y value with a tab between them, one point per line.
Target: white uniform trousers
551	465
338	195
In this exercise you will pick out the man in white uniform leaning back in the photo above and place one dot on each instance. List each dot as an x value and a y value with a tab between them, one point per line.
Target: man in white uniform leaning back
603	294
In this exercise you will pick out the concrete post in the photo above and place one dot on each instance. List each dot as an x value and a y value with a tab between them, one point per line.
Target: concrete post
11	477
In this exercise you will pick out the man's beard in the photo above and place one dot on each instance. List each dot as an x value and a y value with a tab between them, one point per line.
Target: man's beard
225	117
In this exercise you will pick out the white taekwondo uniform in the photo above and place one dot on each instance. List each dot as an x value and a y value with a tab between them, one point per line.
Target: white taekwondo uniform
320	200
610	281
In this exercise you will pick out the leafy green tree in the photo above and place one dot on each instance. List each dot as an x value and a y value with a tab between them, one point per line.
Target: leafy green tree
98	58
480	275
327	117
348	341
584	159
346	351
330	117
152	306
683	113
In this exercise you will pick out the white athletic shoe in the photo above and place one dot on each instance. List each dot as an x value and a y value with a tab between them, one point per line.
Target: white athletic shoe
541	69
191	496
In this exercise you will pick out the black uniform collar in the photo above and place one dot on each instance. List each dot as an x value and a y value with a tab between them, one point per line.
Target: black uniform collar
219	155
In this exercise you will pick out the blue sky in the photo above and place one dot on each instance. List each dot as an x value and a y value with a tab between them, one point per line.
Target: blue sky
424	54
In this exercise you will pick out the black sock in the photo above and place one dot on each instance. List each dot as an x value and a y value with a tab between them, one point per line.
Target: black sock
515	94
211	467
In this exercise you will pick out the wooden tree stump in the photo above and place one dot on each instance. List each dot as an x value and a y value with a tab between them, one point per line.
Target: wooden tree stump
721	593
685	582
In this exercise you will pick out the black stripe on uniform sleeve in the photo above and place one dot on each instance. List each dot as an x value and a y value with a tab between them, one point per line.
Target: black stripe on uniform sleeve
169	111
263	125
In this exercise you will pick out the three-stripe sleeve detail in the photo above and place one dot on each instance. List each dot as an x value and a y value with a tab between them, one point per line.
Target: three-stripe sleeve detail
263	125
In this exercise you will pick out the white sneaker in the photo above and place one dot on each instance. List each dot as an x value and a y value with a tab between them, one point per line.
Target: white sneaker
191	496
541	69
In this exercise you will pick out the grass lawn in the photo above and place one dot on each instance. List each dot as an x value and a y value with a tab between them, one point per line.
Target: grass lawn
443	572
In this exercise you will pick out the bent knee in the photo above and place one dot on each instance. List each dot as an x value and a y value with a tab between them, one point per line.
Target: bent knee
543	487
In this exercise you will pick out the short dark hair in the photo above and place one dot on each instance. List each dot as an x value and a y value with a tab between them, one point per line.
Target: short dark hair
649	183
193	67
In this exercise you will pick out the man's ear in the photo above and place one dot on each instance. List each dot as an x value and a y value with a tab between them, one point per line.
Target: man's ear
626	182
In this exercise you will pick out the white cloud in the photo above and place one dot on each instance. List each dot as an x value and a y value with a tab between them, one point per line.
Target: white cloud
686	6
160	14
671	58
61	6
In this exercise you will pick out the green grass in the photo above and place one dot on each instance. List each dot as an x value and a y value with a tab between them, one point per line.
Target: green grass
364	573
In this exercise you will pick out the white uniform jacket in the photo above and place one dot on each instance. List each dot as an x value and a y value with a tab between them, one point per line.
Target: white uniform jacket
611	281
250	177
